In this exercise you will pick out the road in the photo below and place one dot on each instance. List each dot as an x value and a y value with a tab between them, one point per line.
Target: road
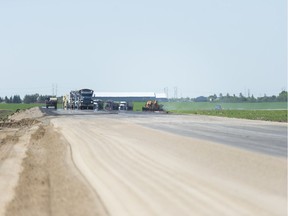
178	165
259	136
99	163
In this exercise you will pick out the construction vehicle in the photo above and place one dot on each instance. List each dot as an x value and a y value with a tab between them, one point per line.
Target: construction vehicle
81	99
65	101
73	100
98	105
51	102
111	105
123	105
85	100
152	106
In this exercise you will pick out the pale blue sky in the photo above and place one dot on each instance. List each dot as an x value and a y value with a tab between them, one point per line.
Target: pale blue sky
200	47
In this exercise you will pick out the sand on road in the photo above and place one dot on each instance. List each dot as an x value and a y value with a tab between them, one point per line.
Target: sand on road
141	171
101	165
37	173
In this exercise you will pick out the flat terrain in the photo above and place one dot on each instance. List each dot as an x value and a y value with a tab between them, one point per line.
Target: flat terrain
89	163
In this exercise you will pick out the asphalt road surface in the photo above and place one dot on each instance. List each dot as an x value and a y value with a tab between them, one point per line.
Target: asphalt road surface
259	136
157	164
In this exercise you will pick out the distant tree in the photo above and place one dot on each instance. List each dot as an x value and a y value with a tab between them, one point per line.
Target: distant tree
30	98
16	99
252	99
242	98
273	98
263	99
282	97
42	98
6	99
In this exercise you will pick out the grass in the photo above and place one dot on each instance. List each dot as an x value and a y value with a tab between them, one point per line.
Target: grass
137	106
14	107
226	106
274	111
265	115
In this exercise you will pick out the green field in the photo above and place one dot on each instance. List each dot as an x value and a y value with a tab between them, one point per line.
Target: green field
14	107
187	106
276	111
190	106
265	115
7	109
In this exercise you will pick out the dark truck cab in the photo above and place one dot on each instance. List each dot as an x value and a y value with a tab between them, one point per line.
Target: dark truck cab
51	102
85	99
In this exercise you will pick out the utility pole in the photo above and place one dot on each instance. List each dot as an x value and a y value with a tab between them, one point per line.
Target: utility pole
56	90
166	91
175	92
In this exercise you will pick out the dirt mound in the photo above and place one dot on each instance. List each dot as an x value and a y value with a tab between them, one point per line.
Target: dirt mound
34	112
27	122
9	139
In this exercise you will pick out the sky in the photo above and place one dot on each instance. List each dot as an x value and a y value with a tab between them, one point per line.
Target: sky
189	47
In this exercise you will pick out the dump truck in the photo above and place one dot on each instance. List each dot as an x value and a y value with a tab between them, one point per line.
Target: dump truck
51	101
152	106
81	99
85	100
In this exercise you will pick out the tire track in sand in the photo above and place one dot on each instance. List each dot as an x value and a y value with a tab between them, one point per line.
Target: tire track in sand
140	171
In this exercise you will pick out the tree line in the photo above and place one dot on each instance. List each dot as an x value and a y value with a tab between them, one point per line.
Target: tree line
33	98
282	97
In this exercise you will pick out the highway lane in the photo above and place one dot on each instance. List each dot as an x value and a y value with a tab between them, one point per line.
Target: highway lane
260	136
137	169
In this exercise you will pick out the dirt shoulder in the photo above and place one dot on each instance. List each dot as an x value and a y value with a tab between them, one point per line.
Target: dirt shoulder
37	163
